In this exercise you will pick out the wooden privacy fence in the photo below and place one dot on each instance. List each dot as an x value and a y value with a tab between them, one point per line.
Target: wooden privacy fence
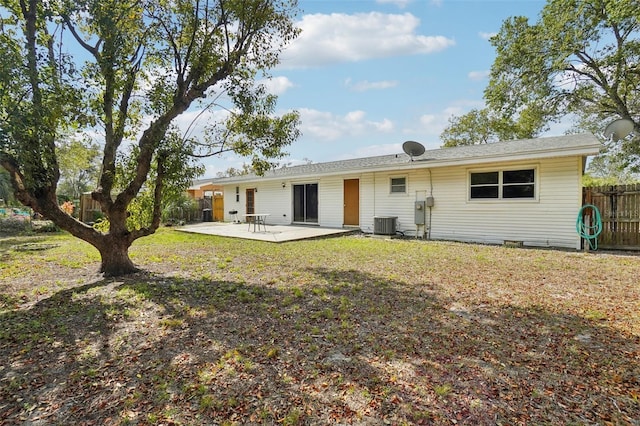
619	207
90	210
215	204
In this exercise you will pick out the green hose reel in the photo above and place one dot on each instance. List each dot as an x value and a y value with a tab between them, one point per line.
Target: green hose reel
589	231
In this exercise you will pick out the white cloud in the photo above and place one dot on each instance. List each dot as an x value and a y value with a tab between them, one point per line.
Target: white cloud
354	117
428	120
192	123
400	3
478	75
431	124
223	162
363	86
485	35
385	125
277	85
326	126
336	38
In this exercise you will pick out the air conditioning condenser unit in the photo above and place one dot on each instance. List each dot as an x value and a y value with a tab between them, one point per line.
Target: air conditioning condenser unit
384	225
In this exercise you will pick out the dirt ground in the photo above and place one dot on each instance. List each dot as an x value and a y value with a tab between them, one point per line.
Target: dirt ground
346	330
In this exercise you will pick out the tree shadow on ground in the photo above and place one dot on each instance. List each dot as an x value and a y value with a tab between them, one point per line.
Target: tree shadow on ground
348	347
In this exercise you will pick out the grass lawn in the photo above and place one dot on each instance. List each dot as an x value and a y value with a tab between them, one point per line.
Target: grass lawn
348	330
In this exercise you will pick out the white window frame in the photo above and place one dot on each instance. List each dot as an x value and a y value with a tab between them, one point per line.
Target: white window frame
391	186
501	185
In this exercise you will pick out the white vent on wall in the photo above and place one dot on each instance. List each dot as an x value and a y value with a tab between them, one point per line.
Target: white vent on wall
384	225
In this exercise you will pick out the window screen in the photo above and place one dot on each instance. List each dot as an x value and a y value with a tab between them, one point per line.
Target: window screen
503	184
485	185
398	185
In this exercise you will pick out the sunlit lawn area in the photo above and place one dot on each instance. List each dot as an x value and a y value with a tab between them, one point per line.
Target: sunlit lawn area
347	330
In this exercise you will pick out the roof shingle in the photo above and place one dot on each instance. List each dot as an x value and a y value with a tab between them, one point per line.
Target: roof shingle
577	144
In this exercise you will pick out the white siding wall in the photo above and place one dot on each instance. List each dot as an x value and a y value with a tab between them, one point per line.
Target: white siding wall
330	201
377	199
367	201
547	221
231	204
270	198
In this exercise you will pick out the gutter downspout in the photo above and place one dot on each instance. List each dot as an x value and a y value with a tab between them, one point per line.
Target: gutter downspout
430	204
374	199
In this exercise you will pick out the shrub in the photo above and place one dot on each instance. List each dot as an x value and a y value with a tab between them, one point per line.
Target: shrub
44	226
14	225
68	207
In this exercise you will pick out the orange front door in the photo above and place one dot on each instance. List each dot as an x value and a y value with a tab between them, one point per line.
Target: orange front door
352	202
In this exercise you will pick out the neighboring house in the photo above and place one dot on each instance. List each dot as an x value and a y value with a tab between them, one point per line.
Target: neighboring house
209	198
202	188
524	191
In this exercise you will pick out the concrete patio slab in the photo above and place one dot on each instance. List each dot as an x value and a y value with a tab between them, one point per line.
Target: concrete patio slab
270	233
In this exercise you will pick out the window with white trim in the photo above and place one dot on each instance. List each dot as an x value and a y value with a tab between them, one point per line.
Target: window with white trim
503	184
398	185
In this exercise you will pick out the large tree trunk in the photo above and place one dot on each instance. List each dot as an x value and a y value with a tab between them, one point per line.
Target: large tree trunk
113	246
114	252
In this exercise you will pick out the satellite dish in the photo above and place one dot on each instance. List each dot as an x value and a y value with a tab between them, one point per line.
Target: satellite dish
618	129
413	149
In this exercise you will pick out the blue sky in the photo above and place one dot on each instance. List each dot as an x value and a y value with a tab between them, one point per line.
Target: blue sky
367	75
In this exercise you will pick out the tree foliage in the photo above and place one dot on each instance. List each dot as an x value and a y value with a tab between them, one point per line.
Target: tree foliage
609	168
244	170
580	59
125	70
79	166
6	194
480	126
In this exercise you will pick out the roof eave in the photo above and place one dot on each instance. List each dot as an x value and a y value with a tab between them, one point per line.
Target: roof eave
532	155
430	164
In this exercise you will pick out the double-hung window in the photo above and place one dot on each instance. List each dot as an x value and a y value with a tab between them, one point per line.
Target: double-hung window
503	184
398	185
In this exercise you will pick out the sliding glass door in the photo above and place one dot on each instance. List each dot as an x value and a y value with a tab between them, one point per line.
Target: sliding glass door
305	203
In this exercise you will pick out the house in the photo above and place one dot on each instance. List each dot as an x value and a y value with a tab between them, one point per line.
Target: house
209	198
527	192
202	188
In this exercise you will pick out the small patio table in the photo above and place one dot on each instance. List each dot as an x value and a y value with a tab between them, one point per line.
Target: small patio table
257	219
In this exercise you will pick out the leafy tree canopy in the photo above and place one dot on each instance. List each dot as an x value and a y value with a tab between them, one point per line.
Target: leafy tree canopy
580	59
244	170
484	126
79	166
6	194
124	70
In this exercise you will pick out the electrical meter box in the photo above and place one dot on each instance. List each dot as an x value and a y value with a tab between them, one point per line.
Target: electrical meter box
430	201
419	210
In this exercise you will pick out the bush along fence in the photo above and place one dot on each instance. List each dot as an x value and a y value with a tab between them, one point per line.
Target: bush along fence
14	220
619	207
